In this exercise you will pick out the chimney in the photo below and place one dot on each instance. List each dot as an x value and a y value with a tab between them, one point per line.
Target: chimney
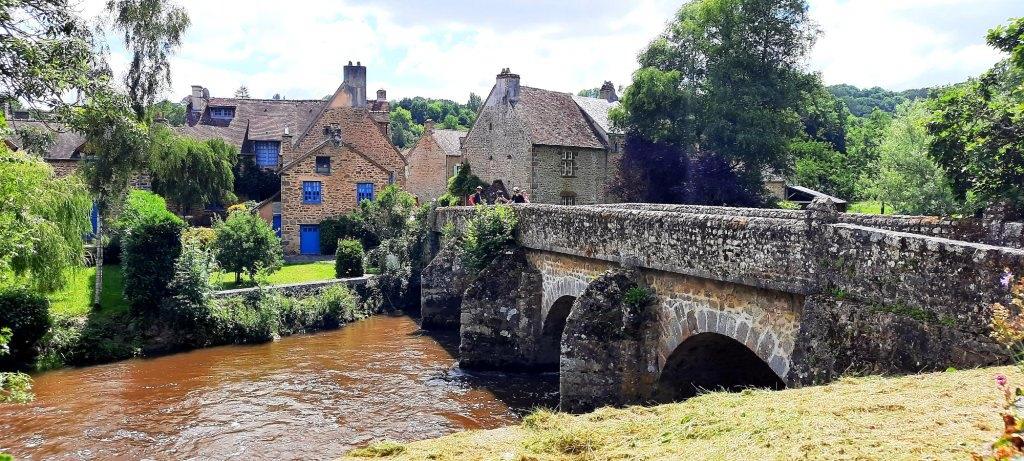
382	95
507	85
198	91
608	92
428	126
355	83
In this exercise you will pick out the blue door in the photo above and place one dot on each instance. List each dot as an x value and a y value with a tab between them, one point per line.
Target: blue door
277	225
309	239
364	191
94	218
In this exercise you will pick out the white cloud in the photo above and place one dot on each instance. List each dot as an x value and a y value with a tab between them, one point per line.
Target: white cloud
298	48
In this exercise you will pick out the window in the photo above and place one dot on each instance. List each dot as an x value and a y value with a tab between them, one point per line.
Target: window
311	192
266	153
568	164
391	177
364	191
455	169
568	200
222	113
323	165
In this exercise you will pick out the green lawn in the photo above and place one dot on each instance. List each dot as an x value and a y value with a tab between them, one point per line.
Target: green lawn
869	207
290	273
76	298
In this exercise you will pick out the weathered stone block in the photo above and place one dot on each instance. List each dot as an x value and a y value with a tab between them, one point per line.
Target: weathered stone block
443	283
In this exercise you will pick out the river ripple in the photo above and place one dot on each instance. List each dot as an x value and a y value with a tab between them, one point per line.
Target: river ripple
303	397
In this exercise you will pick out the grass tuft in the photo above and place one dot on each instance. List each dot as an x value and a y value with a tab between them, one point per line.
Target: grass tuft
378	449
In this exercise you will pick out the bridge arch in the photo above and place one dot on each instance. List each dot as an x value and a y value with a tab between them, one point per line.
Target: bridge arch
552	327
712	361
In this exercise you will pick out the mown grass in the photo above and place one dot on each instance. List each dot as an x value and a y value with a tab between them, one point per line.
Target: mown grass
930	416
869	207
75	300
290	273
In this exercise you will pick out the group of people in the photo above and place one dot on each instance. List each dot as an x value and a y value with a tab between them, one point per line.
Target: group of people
518	196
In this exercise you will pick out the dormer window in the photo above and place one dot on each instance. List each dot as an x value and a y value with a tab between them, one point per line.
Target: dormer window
323	165
222	113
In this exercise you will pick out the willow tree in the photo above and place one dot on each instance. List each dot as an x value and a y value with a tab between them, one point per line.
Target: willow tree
42	221
189	172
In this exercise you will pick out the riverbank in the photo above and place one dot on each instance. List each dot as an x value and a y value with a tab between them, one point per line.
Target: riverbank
930	416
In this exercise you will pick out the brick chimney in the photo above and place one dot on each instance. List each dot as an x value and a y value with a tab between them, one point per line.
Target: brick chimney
507	85
355	83
428	126
198	91
608	92
382	95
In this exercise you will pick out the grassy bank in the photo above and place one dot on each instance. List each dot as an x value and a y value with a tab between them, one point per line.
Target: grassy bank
76	298
289	273
930	416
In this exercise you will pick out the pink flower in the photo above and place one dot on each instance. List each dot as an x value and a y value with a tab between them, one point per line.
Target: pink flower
1006	278
1001	379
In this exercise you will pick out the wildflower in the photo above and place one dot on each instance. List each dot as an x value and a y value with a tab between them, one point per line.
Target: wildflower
1001	380
1006	278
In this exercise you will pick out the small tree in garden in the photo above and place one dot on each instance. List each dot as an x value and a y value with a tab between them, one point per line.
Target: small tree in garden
348	262
1008	329
246	243
150	248
464	183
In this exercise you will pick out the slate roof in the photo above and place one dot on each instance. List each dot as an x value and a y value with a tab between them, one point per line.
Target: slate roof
65	142
555	119
598	109
255	119
359	131
449	141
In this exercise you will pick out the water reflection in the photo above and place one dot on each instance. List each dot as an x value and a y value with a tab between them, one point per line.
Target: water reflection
308	397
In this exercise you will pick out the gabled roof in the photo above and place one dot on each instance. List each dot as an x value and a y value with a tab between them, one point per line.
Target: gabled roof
449	141
597	109
66	143
358	131
555	119
255	119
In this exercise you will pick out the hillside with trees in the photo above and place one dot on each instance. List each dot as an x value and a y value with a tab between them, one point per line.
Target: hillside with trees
862	102
409	114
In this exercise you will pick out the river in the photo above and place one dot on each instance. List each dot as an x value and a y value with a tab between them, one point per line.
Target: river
303	397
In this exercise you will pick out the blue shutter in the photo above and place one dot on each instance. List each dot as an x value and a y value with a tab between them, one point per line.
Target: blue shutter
277	225
266	153
311	192
364	191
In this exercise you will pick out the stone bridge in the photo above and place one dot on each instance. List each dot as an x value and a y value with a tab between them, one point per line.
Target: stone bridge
636	303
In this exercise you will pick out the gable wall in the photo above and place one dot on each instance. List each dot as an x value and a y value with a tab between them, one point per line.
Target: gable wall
499	147
428	177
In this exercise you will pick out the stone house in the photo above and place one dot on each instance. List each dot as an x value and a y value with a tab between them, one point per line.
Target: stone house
65	152
330	153
432	160
558	147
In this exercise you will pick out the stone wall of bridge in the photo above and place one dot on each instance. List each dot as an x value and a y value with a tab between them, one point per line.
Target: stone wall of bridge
807	294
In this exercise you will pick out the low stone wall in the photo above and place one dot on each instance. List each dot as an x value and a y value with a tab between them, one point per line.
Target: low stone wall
299	290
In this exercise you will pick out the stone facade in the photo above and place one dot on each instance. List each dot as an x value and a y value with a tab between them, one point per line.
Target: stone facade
432	161
799	297
443	282
521	133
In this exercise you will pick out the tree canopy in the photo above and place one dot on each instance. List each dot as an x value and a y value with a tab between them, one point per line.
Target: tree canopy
862	102
192	173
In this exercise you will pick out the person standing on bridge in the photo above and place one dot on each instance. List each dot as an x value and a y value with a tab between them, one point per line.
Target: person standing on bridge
478	197
518	196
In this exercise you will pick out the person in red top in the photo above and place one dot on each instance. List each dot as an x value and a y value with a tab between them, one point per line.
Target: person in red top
477	198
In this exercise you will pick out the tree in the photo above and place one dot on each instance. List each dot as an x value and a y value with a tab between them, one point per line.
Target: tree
192	173
46	52
820	167
475	103
451	122
254	183
726	78
464	183
404	132
152	30
242	92
637	182
246	243
387	215
908	178
862	102
978	127
590	93
42	221
172	112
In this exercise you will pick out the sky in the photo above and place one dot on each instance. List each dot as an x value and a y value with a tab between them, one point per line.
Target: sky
449	48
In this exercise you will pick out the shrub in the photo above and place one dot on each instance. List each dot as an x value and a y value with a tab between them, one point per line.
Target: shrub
14	387
202	236
245	320
638	297
348	262
26	314
380	449
246	243
140	206
487	234
150	249
331	308
188	295
447	200
348	226
1008	329
388	215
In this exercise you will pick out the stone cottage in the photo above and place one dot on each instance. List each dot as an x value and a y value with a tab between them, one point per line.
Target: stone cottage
558	147
330	153
64	152
432	160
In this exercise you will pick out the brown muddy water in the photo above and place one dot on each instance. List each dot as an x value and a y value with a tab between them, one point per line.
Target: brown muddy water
303	397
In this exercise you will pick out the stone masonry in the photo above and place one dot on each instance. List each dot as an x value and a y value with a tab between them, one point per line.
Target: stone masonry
807	293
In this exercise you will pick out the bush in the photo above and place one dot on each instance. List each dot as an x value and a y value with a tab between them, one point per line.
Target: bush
202	236
348	226
150	249
333	307
388	215
27	315
246	243
487	234
348	262
242	321
140	206
188	294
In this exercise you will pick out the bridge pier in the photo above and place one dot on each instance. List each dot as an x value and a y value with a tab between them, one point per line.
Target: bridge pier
443	283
